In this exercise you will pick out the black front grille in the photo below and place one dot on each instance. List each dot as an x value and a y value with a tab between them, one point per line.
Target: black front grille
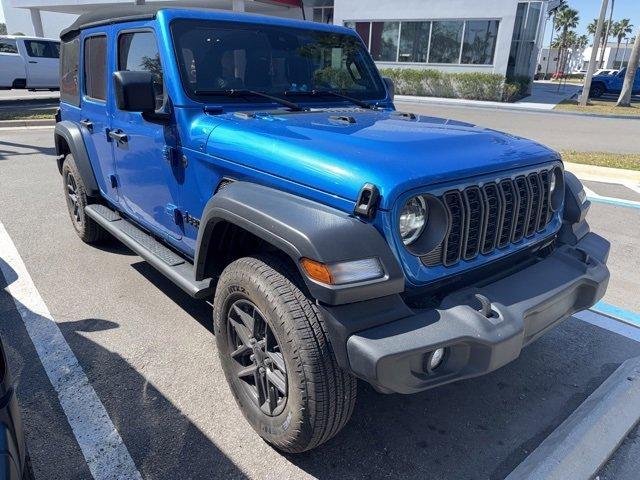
494	215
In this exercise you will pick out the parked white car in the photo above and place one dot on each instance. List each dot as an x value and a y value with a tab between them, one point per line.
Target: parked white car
29	62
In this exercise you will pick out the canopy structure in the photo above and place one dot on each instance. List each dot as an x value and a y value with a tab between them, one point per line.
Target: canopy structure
286	8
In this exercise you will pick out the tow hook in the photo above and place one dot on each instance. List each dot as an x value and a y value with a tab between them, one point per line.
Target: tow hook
485	306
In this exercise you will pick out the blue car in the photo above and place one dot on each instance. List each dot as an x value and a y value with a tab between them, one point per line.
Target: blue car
601	84
260	163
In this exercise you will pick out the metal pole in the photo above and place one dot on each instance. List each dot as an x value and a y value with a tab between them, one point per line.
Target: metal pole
553	29
606	39
584	98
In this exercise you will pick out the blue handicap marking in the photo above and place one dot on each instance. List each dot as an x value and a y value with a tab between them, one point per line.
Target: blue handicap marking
618	313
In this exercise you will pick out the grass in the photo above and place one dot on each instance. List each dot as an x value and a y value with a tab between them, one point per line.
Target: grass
602	106
27	115
628	161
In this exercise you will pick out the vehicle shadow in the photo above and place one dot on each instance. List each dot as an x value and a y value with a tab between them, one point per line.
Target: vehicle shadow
162	441
10	150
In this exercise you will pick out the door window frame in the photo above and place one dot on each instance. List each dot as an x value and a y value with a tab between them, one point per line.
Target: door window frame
116	66
85	95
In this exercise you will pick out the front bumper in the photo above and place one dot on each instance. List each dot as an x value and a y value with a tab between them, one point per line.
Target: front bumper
524	305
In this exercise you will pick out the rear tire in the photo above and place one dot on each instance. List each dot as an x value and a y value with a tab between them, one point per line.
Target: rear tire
76	196
318	396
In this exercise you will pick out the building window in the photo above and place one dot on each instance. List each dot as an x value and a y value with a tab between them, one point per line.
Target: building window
95	67
323	14
479	43
446	40
414	42
524	39
384	41
466	42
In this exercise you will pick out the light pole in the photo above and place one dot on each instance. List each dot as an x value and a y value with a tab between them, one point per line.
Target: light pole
584	98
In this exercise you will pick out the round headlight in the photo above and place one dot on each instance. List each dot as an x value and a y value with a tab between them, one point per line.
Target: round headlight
553	181
556	189
413	218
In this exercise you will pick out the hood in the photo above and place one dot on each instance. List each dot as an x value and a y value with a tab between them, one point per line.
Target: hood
339	150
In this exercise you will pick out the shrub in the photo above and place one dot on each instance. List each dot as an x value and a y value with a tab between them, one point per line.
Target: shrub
471	85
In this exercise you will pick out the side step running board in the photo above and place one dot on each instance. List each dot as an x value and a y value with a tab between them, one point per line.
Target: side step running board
171	265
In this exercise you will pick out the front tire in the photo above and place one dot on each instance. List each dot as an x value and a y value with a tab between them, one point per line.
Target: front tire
277	358
76	196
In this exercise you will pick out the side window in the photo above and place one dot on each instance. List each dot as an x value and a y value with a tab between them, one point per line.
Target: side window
42	49
95	67
8	46
69	81
138	51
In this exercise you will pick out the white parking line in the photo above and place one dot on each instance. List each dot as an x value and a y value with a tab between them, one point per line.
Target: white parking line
609	323
597	198
104	451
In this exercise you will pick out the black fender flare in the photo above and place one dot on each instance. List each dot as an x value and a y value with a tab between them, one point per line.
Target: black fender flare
72	135
300	227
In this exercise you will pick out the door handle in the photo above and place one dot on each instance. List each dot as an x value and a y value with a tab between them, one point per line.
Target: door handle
88	124
32	61
119	136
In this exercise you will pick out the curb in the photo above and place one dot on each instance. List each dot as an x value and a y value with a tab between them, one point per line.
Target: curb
35	122
584	442
595	173
507	107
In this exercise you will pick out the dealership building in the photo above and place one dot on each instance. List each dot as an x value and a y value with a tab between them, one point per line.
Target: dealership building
493	36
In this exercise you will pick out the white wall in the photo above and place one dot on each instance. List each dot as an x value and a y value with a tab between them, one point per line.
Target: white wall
503	10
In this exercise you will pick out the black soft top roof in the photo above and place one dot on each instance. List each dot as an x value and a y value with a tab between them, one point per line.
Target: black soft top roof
108	15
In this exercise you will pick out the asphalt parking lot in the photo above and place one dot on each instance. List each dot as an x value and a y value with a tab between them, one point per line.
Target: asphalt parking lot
149	353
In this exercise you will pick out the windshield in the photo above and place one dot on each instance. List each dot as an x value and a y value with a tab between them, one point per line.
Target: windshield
216	57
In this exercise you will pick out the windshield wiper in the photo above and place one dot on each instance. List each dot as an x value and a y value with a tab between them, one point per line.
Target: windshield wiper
334	93
243	93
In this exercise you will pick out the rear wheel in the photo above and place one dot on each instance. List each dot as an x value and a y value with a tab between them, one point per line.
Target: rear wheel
277	358
76	196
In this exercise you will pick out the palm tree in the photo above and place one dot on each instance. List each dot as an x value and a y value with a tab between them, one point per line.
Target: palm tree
567	19
620	30
625	95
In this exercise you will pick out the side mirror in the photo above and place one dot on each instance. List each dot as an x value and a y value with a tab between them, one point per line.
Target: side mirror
134	91
390	87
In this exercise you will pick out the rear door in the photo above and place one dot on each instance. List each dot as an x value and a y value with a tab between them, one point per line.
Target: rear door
11	63
148	171
95	111
42	57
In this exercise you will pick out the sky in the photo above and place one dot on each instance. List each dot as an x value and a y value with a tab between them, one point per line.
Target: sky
590	9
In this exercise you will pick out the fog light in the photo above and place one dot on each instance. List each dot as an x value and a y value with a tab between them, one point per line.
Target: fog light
436	358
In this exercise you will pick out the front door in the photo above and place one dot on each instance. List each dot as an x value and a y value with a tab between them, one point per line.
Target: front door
43	66
144	150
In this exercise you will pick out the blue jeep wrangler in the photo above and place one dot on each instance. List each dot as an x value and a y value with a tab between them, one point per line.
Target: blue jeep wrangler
260	163
601	84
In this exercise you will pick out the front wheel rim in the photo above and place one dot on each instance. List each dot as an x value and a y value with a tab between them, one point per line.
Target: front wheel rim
257	358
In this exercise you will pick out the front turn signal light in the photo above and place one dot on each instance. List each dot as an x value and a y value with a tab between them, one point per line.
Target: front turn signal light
342	273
